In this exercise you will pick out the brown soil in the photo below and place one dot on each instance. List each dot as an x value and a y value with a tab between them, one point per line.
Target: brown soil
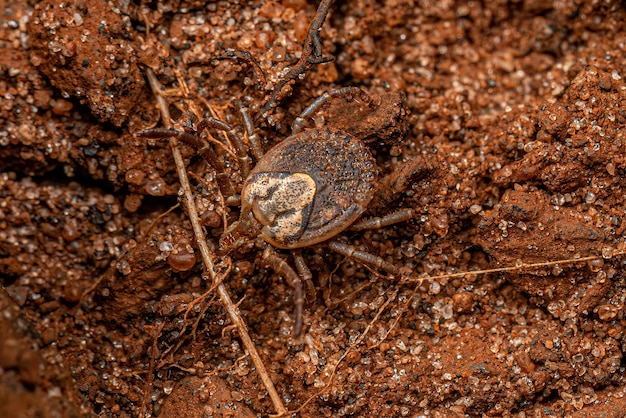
514	155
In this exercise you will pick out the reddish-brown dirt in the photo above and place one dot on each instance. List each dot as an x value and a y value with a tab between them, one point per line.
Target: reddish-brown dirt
513	154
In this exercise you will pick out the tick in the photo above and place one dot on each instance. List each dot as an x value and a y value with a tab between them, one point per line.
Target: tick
304	191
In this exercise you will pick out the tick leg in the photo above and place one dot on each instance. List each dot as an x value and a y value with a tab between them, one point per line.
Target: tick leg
160	133
247	57
402	179
233	136
349	93
280	266
368	259
205	150
304	272
253	138
380	222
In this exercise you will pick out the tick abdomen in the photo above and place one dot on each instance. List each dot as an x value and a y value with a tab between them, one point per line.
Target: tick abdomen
344	172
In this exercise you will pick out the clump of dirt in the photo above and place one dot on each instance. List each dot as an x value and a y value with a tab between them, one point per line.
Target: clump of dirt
500	125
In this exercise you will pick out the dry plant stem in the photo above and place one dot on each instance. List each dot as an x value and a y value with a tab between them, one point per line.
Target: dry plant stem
230	307
153	353
519	267
158	218
397	319
358	341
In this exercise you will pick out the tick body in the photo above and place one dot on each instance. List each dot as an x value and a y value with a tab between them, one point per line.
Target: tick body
308	188
305	190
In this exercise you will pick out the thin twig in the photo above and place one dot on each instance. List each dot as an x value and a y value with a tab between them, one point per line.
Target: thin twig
158	218
188	202
519	267
153	353
395	322
352	346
